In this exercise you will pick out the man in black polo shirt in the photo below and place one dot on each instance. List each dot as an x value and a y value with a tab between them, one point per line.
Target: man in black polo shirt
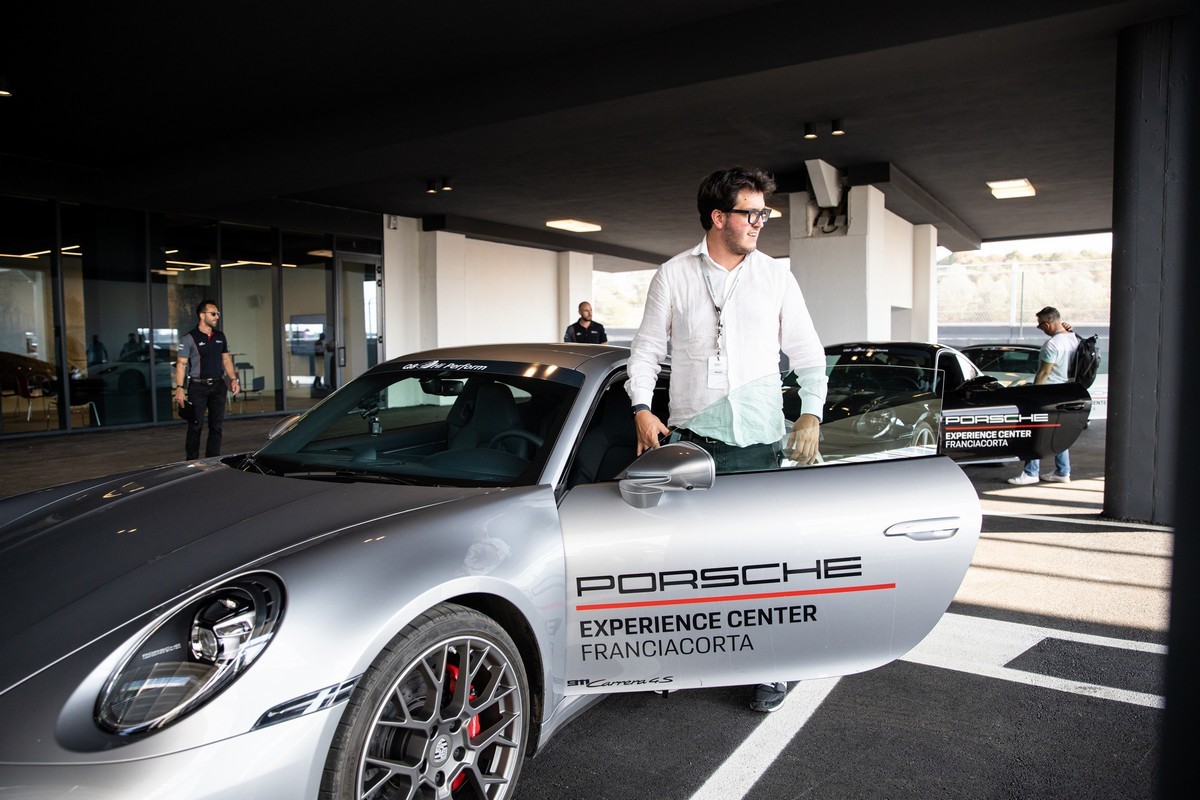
586	330
204	367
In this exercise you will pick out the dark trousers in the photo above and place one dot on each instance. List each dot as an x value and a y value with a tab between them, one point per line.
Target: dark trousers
730	458
208	399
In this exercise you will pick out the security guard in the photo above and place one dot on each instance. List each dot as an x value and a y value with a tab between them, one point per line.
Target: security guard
204	366
586	330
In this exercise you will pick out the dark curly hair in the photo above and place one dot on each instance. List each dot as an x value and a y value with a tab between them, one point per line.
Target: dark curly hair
719	191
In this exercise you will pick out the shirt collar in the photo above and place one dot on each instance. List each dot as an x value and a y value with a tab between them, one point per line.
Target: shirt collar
701	252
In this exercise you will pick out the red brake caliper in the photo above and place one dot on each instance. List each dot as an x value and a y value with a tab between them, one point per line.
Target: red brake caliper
472	724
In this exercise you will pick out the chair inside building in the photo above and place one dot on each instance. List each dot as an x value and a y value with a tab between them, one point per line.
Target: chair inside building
254	391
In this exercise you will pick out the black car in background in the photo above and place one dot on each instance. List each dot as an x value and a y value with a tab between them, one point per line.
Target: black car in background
1011	364
938	399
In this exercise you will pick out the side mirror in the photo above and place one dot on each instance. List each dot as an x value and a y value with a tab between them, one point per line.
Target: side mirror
672	467
282	425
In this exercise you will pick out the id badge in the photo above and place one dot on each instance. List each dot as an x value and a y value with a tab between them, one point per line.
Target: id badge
718	373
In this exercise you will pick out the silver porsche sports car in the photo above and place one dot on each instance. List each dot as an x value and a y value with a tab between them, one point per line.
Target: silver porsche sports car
407	590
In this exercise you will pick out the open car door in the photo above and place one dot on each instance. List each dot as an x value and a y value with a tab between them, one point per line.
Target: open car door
679	577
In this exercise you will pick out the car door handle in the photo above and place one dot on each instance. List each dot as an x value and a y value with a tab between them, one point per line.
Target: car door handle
1075	405
924	530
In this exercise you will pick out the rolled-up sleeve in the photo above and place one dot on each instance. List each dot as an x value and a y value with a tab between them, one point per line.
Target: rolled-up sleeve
650	343
799	342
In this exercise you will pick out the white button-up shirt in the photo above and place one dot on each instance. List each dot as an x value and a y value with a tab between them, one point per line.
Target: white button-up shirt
762	314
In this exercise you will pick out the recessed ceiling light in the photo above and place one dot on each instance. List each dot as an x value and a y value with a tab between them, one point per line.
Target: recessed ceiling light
1003	190
573	225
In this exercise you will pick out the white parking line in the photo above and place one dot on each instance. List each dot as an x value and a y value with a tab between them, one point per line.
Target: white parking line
983	646
1099	523
737	776
975	645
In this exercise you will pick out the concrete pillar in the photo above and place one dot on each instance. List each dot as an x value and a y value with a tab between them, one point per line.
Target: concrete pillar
574	286
401	287
924	284
1178	748
868	277
1150	222
445	319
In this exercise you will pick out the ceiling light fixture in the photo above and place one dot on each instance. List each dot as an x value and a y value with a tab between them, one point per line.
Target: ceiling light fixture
573	225
1004	190
810	131
431	186
838	127
446	185
5	88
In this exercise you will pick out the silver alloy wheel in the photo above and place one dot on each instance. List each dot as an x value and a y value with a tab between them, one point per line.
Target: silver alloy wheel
923	436
446	715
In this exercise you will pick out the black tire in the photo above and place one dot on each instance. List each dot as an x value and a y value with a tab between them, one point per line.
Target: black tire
412	730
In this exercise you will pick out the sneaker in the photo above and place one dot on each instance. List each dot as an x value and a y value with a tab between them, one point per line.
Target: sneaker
768	696
1057	478
1023	479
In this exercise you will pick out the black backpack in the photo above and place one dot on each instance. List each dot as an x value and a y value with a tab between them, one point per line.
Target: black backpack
1085	363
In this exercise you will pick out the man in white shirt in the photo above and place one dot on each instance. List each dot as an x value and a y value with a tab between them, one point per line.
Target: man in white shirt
725	311
1054	367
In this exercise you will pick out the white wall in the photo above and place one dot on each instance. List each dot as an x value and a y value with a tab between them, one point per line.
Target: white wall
870	280
574	286
442	289
511	294
401	326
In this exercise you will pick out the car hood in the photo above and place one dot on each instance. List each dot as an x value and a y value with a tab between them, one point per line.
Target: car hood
81	560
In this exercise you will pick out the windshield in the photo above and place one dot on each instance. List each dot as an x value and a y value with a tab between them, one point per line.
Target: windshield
477	424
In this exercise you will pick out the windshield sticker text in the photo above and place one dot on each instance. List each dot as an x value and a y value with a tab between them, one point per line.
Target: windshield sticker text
447	365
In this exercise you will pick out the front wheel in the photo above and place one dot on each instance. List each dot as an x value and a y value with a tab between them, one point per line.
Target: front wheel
924	436
441	713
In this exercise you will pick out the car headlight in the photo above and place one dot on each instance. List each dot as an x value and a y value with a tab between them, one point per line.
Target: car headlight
191	655
876	424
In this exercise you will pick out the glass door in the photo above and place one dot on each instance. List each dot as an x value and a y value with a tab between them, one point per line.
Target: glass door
308	292
356	345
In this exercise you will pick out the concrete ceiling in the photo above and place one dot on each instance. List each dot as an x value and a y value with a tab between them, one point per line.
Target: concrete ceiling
609	112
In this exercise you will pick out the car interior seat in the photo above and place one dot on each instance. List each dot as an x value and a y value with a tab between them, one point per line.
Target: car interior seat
477	416
610	443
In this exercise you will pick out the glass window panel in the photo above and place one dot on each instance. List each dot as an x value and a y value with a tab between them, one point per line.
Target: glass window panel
28	364
360	318
183	256
248	297
105	305
307	292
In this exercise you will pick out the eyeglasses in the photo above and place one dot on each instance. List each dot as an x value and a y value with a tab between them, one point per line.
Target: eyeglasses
753	215
213	313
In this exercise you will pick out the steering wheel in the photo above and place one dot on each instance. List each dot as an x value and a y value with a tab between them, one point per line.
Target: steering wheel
516	433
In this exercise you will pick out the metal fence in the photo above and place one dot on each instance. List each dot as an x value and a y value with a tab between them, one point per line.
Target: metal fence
990	303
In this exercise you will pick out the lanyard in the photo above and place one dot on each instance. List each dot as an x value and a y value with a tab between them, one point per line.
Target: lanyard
718	308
